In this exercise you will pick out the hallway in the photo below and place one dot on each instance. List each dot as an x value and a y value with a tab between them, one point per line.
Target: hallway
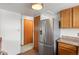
27	47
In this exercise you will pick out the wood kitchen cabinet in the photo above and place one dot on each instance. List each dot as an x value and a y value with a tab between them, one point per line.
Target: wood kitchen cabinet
69	18
66	18
67	49
76	17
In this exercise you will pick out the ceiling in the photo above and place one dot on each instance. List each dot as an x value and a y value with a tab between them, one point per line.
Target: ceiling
25	8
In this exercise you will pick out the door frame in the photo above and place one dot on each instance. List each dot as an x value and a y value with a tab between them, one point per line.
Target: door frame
22	28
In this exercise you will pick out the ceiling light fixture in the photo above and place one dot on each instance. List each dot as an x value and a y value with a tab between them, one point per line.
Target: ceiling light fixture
37	6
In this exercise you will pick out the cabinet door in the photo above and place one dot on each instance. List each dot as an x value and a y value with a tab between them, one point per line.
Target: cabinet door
76	17
66	49
66	18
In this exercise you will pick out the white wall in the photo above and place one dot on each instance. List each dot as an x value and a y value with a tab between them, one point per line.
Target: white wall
10	30
56	31
69	32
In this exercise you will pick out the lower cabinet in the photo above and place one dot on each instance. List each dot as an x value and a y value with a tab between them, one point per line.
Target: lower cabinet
66	49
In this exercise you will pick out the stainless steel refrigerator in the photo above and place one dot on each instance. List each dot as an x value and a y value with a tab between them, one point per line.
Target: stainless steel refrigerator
46	41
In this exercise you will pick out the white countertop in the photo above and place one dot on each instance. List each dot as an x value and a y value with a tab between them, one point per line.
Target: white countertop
69	40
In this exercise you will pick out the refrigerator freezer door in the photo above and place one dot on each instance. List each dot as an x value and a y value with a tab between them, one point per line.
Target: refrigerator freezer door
45	49
48	33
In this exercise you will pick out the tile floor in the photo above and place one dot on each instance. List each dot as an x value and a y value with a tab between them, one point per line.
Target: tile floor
27	47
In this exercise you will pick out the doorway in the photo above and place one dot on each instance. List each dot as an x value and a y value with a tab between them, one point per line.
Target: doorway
28	31
27	34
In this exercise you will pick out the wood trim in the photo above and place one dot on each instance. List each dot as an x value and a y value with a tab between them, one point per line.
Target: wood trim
36	32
